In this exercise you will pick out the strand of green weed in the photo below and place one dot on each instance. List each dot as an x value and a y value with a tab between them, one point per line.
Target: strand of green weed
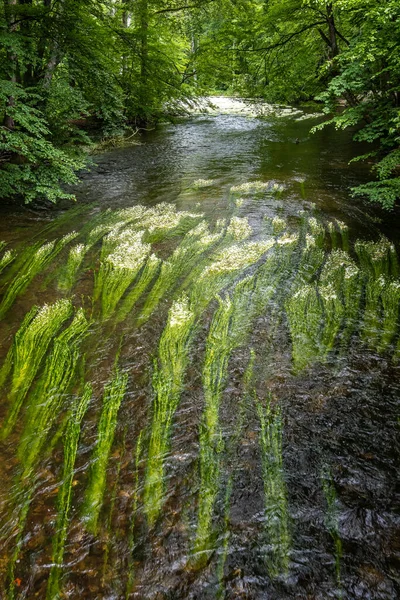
7	259
275	495
51	391
378	258
7	367
215	368
229	329
167	384
131	535
119	266
29	348
195	244
64	499
304	311
71	269
113	396
34	265
144	281
390	302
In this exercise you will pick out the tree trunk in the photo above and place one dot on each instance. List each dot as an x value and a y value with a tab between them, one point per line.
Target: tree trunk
334	50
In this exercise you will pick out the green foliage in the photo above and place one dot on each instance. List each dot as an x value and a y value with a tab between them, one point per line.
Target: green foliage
32	167
368	78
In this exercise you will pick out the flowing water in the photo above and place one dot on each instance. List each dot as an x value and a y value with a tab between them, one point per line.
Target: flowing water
200	374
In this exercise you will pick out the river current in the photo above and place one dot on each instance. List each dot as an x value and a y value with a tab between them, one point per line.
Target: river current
200	373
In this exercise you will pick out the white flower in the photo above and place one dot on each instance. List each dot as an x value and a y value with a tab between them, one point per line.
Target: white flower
239	228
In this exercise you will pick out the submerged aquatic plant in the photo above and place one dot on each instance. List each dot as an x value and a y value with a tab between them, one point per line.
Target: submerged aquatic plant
49	396
114	393
251	187
352	291
225	266
390	296
344	232
340	292
144	280
229	329
118	269
239	228
28	351
304	312
202	183
168	378
75	258
378	258
218	350
6	259
195	243
64	498
372	321
317	230
275	494
311	259
34	264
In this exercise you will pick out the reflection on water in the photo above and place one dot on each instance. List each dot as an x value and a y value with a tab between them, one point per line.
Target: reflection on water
199	367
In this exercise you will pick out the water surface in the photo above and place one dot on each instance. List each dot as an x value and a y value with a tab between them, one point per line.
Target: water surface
255	450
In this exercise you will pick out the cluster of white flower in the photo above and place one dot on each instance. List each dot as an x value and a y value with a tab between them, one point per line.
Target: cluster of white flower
288	239
342	226
130	214
48	311
236	257
180	313
278	225
315	226
44	250
68	238
328	293
310	241
351	271
251	187
278	187
130	253
239	228
239	202
78	251
7	257
164	217
202	183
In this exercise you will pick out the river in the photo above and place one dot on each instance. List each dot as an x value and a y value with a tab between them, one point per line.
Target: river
200	373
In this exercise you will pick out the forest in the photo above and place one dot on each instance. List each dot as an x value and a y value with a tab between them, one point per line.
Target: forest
72	71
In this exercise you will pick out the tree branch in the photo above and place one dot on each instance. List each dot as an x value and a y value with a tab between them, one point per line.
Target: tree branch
183	7
282	42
